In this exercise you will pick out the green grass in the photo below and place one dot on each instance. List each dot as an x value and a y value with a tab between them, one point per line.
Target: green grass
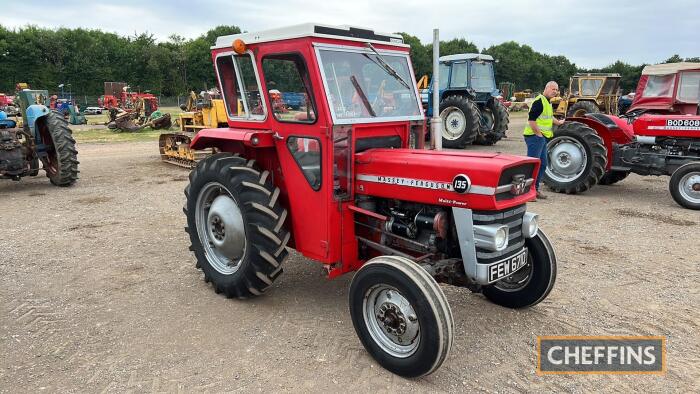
107	136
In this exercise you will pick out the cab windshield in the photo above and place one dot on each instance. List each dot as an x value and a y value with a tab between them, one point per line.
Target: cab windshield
360	87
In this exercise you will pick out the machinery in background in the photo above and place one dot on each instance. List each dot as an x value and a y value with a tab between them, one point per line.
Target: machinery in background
43	139
203	111
667	89
589	93
119	95
470	104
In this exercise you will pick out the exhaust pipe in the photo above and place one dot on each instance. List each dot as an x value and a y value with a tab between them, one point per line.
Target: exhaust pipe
435	121
642	139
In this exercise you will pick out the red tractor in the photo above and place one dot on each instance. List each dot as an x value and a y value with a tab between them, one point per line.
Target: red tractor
603	149
343	180
118	95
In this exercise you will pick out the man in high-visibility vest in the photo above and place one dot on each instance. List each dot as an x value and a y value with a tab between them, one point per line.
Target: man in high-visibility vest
538	131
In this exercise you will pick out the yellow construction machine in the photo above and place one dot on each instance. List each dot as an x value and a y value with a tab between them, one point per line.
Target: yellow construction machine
203	111
589	93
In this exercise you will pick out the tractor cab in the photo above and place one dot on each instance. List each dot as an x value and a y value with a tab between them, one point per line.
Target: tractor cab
470	72
668	88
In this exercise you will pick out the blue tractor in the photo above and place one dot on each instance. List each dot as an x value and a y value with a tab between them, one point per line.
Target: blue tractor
469	106
44	139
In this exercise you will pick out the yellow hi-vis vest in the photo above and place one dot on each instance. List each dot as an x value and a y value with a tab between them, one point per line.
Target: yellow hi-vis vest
544	121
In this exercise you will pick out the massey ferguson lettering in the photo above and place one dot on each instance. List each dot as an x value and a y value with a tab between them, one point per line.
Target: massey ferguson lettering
410	182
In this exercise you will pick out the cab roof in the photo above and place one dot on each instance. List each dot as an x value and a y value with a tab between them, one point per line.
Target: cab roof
344	32
669	68
466	56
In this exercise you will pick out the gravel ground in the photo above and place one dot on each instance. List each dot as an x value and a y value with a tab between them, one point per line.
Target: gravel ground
99	293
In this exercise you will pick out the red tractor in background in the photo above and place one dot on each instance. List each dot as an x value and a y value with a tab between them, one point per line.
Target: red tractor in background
342	178
667	89
118	95
605	149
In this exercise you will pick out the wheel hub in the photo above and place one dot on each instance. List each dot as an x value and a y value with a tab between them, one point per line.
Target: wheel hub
689	187
220	228
392	321
567	159
454	123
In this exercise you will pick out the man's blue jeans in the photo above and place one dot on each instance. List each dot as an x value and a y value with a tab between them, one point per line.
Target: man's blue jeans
537	148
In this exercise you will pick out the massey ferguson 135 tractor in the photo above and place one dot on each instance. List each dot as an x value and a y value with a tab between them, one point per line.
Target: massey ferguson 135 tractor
343	179
43	138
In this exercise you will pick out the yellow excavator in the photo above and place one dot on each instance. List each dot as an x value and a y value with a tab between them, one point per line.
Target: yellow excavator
203	111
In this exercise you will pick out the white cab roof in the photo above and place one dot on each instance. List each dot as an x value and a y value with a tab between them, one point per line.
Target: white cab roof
669	68
344	32
466	56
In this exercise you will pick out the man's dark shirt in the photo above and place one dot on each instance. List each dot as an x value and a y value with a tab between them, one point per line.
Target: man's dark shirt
535	110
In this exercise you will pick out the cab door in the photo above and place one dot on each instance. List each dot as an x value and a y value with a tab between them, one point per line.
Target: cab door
301	142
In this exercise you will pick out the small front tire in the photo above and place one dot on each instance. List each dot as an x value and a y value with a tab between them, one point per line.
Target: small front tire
532	283
685	185
401	316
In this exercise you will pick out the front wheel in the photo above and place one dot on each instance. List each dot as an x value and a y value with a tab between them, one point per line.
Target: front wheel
401	316
460	121
685	185
532	283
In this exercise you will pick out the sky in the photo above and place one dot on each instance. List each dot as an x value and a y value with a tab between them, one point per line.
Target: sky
590	33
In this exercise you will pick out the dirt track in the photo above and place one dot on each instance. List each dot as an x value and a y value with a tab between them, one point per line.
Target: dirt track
99	293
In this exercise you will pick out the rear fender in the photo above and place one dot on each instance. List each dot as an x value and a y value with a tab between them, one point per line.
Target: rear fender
34	113
233	139
612	129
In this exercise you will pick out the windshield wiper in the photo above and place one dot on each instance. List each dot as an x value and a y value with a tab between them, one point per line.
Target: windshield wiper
390	70
363	96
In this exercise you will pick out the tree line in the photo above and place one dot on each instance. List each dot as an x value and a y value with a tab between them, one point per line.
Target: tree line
83	59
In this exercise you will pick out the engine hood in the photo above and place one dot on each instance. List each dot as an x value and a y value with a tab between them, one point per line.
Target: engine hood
474	180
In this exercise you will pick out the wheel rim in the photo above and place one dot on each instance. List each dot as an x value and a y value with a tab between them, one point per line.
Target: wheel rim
220	228
487	120
391	321
454	123
689	187
567	159
518	280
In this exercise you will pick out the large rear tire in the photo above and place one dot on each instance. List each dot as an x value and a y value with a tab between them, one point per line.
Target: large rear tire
236	225
460	121
577	159
61	160
685	185
581	108
494	123
532	283
401	316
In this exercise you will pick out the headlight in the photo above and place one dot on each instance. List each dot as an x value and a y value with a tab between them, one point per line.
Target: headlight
501	238
530	225
492	236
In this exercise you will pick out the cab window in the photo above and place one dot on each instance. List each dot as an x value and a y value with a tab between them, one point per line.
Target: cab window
307	154
240	86
289	89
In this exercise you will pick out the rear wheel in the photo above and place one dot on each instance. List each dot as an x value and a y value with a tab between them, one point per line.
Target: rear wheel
613	176
532	283
401	316
685	185
460	121
577	159
581	108
494	123
236	225
61	159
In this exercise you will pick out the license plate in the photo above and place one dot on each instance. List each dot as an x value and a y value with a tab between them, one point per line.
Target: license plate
508	266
